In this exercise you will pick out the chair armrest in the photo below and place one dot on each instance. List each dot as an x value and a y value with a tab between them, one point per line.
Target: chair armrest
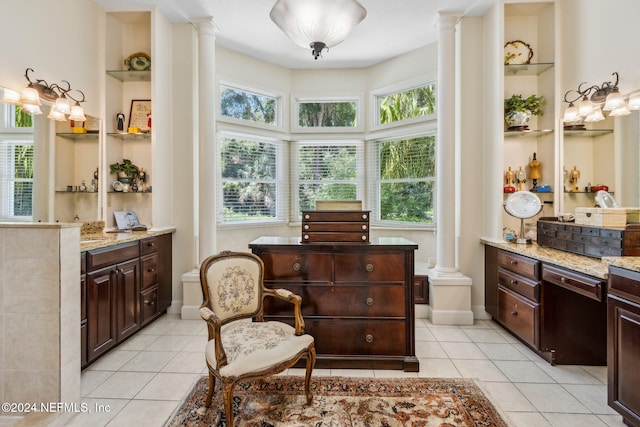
213	326
296	300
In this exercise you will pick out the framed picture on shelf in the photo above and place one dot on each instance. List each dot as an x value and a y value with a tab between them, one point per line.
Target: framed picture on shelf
140	115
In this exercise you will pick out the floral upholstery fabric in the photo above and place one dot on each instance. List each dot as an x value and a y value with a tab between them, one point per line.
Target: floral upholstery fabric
257	346
233	287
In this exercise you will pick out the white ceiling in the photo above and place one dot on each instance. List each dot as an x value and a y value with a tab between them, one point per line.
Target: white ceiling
392	27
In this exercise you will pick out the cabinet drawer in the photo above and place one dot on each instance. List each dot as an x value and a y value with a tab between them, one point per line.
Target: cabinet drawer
600	251
354	301
588	286
624	283
519	315
149	271
388	266
297	267
99	258
148	304
325	236
358	337
518	264
575	247
148	245
357	227
335	216
526	287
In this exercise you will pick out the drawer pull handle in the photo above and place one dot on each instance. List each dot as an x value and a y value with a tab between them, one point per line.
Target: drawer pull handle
296	266
368	338
364	216
151	270
150	302
306	216
306	226
514	313
151	244
514	282
369	301
514	262
563	280
369	267
364	227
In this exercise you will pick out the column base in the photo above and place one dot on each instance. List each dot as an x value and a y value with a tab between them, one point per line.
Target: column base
191	295
450	298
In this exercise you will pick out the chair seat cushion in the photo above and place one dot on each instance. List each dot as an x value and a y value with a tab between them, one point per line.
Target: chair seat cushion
256	346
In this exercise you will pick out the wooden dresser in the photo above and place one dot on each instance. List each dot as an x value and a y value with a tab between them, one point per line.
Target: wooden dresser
357	298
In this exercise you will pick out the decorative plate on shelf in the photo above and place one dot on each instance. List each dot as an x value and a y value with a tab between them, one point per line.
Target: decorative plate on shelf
517	52
117	186
138	61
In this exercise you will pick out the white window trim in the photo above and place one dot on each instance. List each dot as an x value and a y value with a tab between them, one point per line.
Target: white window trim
278	96
6	140
296	99
282	183
406	85
7	118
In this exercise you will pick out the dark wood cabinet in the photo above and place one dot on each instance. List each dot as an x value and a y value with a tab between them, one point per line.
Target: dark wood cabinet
623	346
126	287
357	299
557	312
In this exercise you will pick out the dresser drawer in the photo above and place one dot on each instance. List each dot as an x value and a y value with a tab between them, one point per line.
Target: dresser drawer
354	301
389	267
340	216
358	227
297	266
326	236
518	264
624	283
148	245
520	315
588	286
149	304
526	287
357	337
99	258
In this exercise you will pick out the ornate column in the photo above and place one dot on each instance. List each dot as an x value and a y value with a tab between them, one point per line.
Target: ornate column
205	227
450	291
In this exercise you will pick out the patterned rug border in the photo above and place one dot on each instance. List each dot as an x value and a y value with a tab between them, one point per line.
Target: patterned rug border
470	395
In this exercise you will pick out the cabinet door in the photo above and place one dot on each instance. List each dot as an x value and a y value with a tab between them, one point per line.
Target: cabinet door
128	299
101	325
165	272
623	356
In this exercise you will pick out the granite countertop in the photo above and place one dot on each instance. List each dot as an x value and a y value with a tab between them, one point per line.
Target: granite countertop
582	264
103	239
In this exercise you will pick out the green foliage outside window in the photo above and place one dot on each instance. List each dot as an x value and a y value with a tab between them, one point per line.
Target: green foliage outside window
23	120
248	179
244	105
327	114
409	104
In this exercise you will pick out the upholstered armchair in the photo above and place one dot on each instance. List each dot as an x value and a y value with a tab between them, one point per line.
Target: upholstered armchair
237	350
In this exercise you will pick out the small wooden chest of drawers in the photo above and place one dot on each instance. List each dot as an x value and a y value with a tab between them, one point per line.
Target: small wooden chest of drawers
590	241
357	299
335	226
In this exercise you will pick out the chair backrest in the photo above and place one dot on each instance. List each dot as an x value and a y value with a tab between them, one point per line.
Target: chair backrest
232	284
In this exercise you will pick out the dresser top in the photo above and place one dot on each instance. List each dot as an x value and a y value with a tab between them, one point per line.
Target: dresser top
295	241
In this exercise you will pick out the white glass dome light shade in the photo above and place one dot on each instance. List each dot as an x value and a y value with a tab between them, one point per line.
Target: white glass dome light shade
30	96
31	109
585	107
634	102
571	114
309	21
63	105
614	100
595	116
56	115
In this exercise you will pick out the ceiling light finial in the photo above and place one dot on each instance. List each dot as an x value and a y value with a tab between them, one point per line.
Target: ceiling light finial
319	24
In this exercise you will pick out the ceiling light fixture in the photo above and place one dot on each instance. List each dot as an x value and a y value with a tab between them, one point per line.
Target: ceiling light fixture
30	99
595	99
318	24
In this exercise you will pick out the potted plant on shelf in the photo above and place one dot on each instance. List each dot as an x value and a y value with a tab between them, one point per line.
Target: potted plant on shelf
518	110
126	171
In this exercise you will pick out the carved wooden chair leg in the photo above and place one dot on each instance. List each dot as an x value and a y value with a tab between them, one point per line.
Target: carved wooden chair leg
212	386
311	361
227	390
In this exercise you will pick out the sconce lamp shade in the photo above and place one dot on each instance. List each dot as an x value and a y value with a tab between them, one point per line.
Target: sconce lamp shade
634	102
30	96
571	114
614	100
595	116
31	108
77	114
318	24
11	97
56	115
62	106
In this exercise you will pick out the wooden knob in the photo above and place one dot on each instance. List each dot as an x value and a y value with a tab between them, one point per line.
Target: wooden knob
514	262
368	338
563	280
150	302
151	270
296	266
369	301
514	282
369	267
514	313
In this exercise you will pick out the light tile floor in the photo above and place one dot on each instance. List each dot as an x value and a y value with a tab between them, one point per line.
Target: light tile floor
144	379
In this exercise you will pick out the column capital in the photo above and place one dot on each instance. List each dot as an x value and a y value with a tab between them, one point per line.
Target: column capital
206	25
448	19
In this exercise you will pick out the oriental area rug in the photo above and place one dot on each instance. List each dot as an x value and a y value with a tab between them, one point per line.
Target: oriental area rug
343	402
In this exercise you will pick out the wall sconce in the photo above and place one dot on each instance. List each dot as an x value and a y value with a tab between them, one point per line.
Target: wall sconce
318	24
30	98
596	99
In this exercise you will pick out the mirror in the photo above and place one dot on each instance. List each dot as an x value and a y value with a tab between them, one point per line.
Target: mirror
47	159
